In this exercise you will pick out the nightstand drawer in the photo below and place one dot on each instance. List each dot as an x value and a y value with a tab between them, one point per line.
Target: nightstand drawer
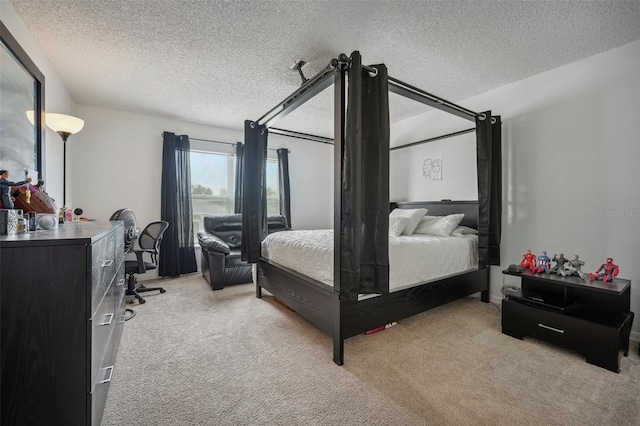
520	319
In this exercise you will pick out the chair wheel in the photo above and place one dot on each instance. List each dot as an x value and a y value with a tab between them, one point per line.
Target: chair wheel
162	290
142	301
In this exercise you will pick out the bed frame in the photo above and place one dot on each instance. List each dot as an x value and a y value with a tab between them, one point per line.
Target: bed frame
340	318
339	311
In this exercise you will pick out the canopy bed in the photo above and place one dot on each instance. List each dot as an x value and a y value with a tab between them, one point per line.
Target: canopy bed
359	295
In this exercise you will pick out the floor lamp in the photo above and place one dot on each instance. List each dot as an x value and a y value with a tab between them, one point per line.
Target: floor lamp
64	125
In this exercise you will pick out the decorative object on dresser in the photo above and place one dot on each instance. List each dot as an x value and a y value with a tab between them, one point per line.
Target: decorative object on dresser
589	317
62	312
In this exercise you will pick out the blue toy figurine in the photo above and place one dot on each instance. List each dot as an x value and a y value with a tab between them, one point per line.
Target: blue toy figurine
544	262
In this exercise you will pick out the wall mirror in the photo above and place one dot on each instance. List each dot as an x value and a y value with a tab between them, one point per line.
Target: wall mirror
21	110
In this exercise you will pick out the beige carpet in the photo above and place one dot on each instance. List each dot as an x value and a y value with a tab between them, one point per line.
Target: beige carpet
192	356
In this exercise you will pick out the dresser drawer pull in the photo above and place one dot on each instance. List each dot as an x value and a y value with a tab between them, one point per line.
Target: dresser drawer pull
557	330
107	380
107	263
121	281
109	321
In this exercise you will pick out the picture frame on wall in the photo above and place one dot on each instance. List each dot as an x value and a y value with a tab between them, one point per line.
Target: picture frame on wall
21	110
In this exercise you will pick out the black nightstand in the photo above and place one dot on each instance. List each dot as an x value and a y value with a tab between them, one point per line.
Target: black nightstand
588	316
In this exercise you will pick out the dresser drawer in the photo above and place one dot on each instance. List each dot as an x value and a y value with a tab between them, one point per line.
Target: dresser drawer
119	235
98	396
103	323
104	267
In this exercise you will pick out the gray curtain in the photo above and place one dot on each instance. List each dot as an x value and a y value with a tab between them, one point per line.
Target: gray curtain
177	251
364	233
285	190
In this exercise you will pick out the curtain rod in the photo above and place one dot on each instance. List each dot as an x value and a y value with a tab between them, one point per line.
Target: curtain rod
408	91
226	143
300	135
214	141
449	135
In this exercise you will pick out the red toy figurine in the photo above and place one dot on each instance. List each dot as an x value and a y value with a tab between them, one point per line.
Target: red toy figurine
609	271
529	261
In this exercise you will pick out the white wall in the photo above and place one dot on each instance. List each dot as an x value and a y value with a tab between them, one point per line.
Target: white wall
571	149
117	163
459	177
57	98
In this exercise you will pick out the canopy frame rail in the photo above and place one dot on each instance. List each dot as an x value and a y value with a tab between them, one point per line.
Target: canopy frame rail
411	92
436	138
308	90
326	77
300	135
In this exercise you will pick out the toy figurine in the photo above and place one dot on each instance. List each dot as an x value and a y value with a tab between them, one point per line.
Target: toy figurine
544	262
609	271
559	266
572	267
528	261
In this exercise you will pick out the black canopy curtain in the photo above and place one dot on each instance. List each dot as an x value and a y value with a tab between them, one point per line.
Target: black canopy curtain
364	228
177	253
254	196
489	160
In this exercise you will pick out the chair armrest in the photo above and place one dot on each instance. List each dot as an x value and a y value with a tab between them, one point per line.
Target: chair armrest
141	266
212	243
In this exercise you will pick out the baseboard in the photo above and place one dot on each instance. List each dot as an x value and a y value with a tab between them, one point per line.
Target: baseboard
496	300
635	336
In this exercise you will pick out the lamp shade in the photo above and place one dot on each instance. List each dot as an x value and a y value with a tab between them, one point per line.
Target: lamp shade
31	116
64	123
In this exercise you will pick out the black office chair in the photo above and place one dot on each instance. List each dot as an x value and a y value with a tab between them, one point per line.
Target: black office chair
149	242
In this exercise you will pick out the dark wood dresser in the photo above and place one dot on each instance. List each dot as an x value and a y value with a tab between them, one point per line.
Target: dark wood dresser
62	316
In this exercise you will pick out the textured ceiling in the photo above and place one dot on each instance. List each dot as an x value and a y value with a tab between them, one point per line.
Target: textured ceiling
221	62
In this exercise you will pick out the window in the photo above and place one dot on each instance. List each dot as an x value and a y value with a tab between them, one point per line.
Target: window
273	187
213	185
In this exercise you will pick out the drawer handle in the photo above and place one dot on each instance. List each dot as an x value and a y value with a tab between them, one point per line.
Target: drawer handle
107	263
107	380
121	281
110	319
557	330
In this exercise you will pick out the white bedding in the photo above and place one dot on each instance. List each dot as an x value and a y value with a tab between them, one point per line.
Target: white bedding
413	259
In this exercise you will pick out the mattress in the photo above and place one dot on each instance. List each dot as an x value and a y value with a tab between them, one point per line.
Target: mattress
413	259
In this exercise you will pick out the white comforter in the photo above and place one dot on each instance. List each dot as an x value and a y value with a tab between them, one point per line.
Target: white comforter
412	259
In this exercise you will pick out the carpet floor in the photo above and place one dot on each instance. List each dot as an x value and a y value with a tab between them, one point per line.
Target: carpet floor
192	356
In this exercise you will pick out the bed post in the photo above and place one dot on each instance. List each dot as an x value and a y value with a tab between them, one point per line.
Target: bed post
484	294
340	110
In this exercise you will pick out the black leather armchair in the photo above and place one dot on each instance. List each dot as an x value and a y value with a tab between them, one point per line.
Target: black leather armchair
220	242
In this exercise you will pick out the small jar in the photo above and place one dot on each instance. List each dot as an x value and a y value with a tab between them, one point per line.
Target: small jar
22	225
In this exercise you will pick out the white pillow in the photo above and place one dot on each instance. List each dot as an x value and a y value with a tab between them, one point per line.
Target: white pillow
439	225
462	230
397	224
414	216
